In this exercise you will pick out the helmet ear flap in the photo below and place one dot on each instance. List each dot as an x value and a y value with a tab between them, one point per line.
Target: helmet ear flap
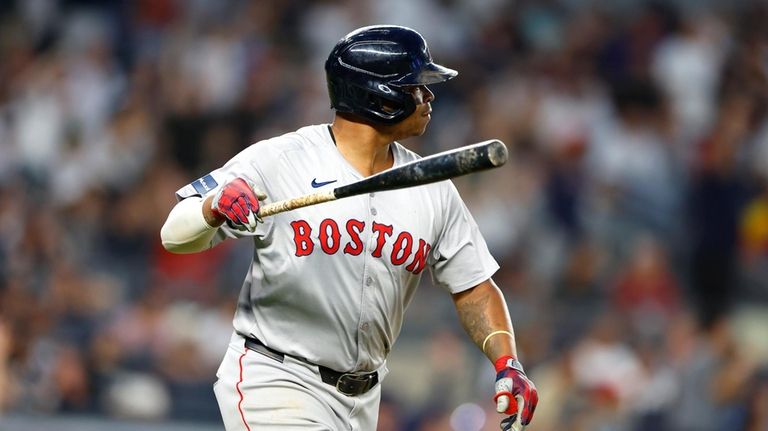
384	88
386	107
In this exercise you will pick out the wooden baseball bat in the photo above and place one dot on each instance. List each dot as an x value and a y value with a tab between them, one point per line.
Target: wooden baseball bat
438	167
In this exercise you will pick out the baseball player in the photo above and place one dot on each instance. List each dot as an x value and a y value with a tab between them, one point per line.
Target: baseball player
324	298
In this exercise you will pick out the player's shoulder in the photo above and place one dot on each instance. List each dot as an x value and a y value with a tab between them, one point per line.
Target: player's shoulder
303	139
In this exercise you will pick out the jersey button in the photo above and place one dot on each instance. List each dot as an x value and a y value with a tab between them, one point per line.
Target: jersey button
364	327
368	281
373	194
373	211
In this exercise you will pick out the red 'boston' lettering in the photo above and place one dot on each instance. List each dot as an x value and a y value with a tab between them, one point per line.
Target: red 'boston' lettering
301	232
333	247
383	231
403	244
420	258
354	228
329	237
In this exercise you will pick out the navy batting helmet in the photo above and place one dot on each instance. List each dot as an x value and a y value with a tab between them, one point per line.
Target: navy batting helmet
369	68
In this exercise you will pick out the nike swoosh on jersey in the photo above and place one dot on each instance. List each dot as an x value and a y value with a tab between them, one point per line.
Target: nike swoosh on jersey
316	184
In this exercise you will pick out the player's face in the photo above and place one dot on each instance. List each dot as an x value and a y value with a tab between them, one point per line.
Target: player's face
416	123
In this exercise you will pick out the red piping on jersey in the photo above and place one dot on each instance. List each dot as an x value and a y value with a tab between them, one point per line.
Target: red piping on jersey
237	386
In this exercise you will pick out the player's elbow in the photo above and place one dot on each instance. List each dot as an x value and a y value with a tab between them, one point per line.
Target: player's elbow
170	241
170	245
178	245
185	230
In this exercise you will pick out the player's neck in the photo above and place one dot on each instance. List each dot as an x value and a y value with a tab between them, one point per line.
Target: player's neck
364	147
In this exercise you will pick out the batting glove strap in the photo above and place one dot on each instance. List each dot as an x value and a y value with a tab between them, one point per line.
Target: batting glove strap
508	362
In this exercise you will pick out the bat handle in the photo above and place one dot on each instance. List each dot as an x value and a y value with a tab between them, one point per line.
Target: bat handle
299	202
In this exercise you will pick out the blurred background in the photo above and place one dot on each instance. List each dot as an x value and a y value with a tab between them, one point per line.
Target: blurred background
631	222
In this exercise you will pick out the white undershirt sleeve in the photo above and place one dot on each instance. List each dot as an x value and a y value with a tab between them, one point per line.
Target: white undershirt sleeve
185	230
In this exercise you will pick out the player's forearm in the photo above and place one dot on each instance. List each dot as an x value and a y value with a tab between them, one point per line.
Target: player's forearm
190	226
483	312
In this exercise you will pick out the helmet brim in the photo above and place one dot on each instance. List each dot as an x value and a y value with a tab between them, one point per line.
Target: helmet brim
431	73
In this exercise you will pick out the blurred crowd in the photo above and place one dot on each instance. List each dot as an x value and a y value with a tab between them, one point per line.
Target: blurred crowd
631	222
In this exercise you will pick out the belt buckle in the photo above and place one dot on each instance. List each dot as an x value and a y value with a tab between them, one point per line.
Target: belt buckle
353	384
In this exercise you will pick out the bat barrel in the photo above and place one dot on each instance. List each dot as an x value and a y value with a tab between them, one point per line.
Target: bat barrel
449	164
477	157
438	167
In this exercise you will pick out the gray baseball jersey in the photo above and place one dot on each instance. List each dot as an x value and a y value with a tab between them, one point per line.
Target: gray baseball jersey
330	283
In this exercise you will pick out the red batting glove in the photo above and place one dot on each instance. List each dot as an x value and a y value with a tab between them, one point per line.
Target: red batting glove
515	393
238	204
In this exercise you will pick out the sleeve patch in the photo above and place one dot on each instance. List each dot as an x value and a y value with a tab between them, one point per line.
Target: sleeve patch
205	184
